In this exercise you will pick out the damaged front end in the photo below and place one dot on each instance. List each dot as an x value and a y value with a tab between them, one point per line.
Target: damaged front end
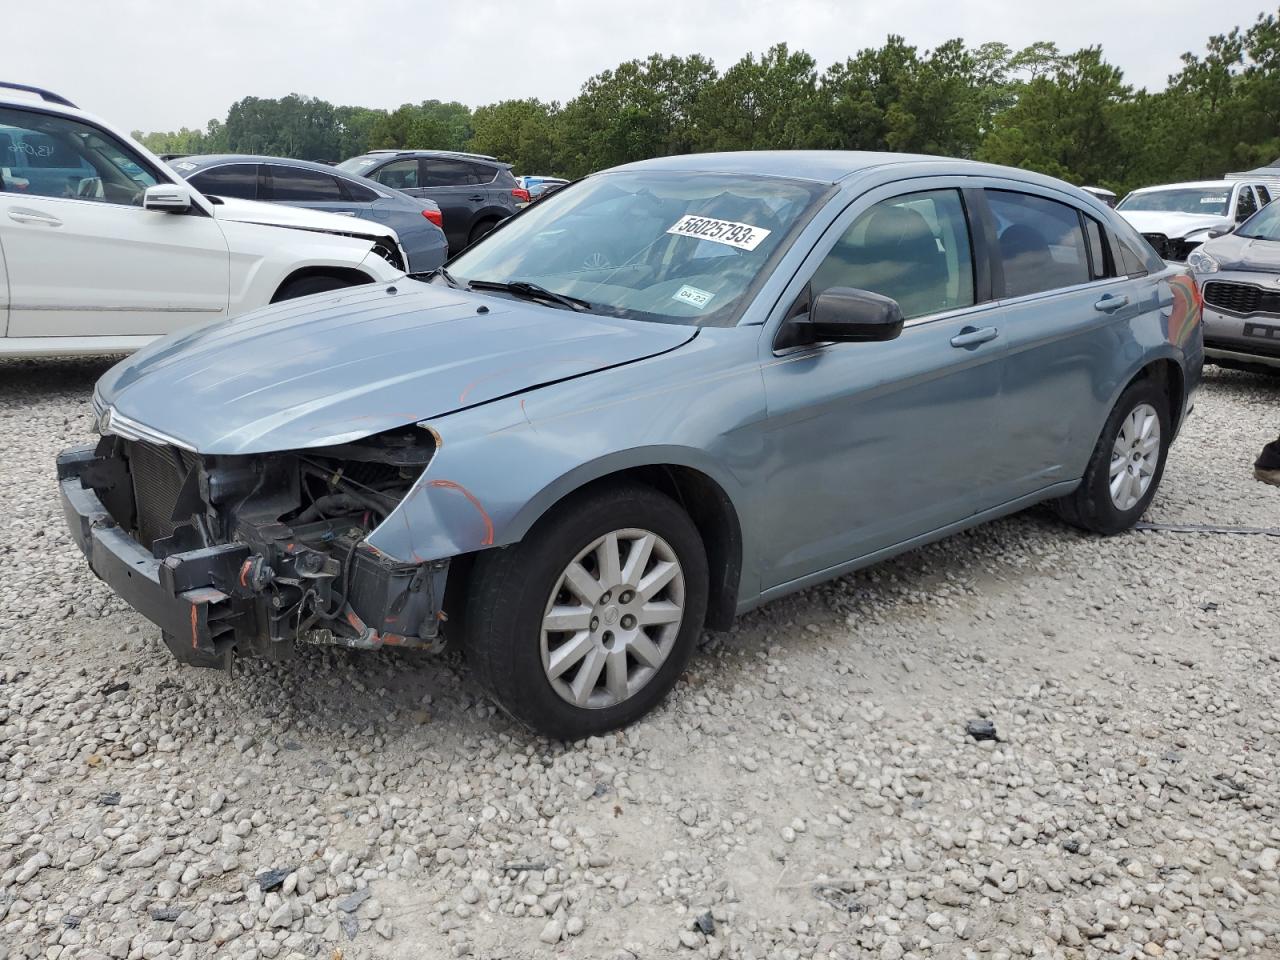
243	555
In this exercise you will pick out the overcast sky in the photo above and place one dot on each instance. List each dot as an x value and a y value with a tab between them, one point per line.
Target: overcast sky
143	64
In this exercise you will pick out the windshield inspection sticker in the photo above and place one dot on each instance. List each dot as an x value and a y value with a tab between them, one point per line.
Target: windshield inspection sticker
729	232
692	296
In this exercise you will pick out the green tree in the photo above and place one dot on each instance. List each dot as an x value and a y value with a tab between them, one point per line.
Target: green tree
429	125
521	132
642	108
1068	123
772	103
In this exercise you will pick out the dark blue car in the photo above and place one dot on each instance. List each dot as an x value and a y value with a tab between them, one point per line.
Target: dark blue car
317	186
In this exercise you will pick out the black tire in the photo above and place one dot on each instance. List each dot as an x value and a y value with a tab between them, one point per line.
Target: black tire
1091	506
305	286
511	588
480	230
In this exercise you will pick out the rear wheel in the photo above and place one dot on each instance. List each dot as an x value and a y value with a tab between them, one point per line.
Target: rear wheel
304	286
1127	464
481	230
587	623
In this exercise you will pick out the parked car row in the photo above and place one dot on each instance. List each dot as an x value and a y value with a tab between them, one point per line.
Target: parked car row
103	247
1228	232
300	183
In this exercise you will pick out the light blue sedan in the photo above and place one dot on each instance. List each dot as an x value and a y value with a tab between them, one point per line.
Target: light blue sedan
666	394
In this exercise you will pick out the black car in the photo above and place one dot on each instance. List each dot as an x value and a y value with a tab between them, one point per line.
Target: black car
474	192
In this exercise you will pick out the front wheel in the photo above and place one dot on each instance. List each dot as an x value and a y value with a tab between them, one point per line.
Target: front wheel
586	624
1127	464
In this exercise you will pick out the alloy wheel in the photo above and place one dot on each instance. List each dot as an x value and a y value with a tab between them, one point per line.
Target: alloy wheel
1135	456
612	618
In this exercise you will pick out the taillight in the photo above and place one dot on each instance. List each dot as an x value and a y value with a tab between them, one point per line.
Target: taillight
521	194
435	217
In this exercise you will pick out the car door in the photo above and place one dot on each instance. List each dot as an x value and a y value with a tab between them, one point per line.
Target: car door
85	258
870	445
1062	300
452	184
303	187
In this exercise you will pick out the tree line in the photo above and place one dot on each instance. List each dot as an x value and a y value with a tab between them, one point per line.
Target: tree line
1067	114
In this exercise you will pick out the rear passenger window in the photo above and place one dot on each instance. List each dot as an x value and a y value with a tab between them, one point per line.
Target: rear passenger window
913	248
299	185
398	174
356	192
483	174
450	173
238	180
1263	194
1042	246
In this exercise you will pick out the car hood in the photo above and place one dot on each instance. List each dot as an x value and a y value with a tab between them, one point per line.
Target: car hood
1174	225
335	367
1245	253
297	218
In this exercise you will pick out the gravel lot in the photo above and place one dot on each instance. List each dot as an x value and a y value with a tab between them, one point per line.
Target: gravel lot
808	791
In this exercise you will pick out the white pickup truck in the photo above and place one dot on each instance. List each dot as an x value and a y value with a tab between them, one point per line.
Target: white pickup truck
1178	217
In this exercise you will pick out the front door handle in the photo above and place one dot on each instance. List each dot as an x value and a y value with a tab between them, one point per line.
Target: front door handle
971	336
30	216
1111	303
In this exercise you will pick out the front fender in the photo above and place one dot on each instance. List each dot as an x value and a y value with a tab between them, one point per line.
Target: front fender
500	466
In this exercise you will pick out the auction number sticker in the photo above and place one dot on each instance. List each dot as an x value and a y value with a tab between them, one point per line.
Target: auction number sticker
692	296
741	235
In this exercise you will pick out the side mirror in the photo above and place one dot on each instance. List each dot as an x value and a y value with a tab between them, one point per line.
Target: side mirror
847	315
167	198
1214	234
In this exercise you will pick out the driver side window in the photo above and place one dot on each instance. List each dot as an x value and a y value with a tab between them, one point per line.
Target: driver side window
914	249
43	155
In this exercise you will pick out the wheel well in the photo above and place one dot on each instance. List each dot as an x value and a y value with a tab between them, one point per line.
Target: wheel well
712	512
350	274
708	506
1168	376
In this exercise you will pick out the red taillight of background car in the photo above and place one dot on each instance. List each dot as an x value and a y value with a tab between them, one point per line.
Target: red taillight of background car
435	217
521	195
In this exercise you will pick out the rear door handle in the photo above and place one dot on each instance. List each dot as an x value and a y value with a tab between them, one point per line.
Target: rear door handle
1111	303
30	216
476	199
971	337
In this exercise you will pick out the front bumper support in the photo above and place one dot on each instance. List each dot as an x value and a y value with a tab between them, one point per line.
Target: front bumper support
180	594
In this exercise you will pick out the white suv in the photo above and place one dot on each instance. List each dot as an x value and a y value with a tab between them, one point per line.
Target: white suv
103	248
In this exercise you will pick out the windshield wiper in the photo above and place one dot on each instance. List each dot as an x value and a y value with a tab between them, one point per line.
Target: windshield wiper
531	291
437	272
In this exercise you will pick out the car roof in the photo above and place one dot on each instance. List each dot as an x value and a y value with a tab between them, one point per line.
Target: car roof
459	154
1190	184
834	166
202	160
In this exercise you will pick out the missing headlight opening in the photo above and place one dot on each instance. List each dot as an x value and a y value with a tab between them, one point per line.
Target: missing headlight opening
269	548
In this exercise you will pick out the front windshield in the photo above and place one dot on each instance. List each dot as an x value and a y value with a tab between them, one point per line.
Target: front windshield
1211	201
1263	225
673	247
